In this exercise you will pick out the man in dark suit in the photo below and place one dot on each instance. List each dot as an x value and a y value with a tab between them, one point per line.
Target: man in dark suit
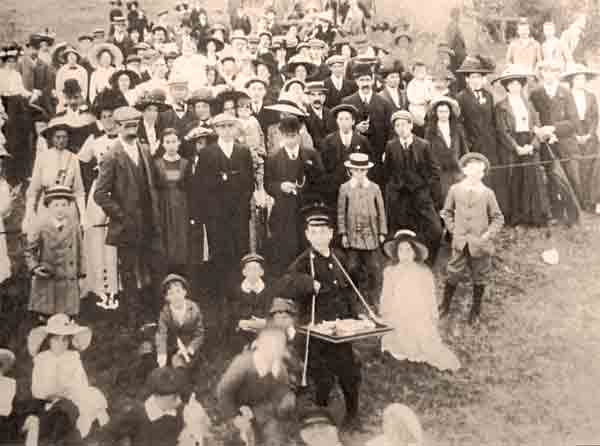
413	191
319	121
558	116
126	192
225	168
120	38
292	176
257	90
479	120
336	148
374	115
37	74
391	73
338	87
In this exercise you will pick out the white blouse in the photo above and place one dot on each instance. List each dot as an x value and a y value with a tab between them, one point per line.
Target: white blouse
521	113
580	103
100	80
444	128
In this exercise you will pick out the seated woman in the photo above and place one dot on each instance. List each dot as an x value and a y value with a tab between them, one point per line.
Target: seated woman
69	405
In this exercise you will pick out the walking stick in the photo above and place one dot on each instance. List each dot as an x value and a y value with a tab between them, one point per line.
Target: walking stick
312	322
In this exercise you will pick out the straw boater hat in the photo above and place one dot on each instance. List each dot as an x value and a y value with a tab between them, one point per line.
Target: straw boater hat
286	106
358	161
126	114
452	103
7	360
464	160
54	125
58	192
62	325
335	59
315	87
113	50
155	97
513	72
576	70
222	119
199	132
390	247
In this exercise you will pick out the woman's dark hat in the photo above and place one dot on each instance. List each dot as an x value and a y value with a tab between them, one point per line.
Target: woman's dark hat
134	78
390	247
156	97
345	108
476	64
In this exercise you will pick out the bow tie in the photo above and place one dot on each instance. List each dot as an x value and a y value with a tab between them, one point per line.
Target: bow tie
112	136
72	68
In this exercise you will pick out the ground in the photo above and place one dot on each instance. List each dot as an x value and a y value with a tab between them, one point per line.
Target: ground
528	369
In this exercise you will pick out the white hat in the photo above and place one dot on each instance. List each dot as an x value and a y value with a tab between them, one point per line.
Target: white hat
63	325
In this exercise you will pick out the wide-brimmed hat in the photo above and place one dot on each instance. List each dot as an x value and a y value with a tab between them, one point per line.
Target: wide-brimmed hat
261	60
54	125
316	417
134	78
7	360
513	72
464	160
200	132
360	69
57	54
160	28
35	39
335	59
476	64
296	61
402	34
224	118
231	95
339	41
219	44
58	192
62	325
85	36
390	246
345	108
156	97
576	70
358	161
166	381
451	103
203	94
69	50
281	305
287	84
286	106
174	278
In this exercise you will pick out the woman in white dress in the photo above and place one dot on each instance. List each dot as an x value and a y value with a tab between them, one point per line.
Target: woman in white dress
105	58
408	304
101	259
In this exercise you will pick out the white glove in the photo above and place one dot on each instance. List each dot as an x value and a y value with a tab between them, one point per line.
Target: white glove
161	359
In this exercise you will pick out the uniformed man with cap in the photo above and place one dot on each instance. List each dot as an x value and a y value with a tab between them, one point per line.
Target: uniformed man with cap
318	272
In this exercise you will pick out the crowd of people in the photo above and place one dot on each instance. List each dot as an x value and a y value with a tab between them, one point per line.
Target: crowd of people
207	175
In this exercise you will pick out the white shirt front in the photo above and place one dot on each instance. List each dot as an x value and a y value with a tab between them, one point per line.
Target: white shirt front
293	153
366	98
444	128
346	138
151	135
551	89
226	147
337	82
354	183
580	102
154	412
394	95
521	113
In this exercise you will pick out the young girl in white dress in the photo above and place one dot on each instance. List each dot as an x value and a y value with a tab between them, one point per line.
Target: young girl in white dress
408	303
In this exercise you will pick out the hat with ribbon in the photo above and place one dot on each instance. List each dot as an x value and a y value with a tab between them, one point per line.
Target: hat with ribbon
61	325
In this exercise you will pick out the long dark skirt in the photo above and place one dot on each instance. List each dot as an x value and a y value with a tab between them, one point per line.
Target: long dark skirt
529	202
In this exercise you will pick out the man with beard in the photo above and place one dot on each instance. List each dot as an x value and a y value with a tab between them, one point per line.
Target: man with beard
374	115
319	122
126	192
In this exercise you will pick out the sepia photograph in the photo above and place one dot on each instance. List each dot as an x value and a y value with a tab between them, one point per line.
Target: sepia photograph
299	223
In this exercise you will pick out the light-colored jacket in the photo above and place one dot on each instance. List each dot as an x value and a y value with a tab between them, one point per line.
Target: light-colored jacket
471	213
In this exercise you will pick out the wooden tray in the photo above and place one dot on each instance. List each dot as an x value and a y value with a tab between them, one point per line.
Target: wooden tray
378	331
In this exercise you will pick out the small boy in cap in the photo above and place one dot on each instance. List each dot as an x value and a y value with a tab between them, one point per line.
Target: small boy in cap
54	256
180	331
362	225
256	384
472	215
